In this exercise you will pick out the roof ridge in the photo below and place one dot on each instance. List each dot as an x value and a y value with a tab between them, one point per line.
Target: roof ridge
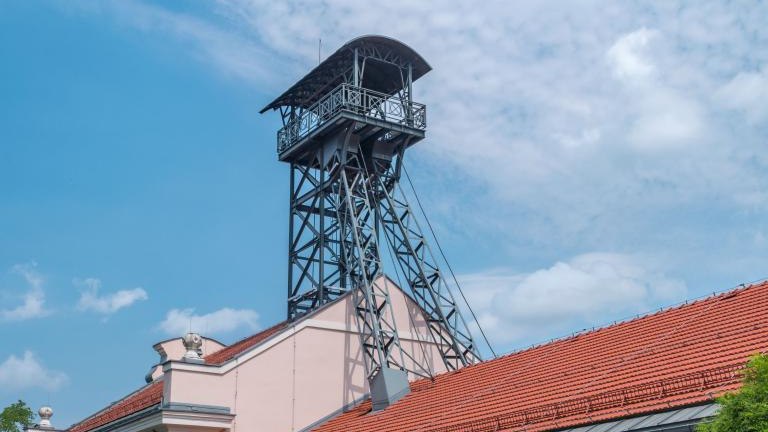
726	293
256	338
246	338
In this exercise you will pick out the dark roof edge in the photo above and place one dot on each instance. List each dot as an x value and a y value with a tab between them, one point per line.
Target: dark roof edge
358	40
655	421
722	294
128	418
112	404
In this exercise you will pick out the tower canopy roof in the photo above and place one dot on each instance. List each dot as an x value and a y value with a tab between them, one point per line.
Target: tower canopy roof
383	74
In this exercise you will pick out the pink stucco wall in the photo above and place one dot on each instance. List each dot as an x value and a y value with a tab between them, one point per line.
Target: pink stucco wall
299	376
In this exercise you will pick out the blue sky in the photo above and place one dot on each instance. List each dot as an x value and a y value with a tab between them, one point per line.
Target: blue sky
584	162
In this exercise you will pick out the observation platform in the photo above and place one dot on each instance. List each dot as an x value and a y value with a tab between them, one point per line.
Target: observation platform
366	84
372	110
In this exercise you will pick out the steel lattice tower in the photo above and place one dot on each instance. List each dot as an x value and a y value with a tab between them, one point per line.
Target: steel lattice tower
346	127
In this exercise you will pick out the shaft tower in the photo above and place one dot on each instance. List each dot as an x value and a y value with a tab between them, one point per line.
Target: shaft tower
346	127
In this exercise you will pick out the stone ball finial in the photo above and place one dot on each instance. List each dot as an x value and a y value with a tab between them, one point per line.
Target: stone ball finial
45	412
193	342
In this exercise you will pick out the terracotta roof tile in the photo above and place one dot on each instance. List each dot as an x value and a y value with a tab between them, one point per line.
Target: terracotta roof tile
229	352
145	397
677	357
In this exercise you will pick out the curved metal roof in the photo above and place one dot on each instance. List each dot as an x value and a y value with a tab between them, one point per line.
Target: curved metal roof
330	73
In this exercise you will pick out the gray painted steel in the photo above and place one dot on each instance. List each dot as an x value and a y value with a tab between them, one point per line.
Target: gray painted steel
189	407
346	126
387	387
679	420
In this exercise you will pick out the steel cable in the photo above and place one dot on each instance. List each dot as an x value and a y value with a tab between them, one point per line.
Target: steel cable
448	264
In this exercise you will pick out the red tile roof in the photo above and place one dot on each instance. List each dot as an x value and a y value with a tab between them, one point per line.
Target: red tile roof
229	352
145	397
677	357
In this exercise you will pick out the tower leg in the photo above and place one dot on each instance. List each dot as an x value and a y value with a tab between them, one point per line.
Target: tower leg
363	265
314	276
414	256
382	352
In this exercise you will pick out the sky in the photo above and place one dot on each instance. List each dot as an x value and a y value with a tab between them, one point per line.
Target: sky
585	161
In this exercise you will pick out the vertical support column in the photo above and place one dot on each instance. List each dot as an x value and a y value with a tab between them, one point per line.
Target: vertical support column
383	355
356	71
322	297
409	98
291	212
410	83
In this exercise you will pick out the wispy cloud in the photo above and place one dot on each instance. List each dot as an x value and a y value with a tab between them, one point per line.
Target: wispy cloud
662	117
231	53
602	84
25	372
33	301
586	290
608	114
747	92
106	304
179	321
635	127
628	55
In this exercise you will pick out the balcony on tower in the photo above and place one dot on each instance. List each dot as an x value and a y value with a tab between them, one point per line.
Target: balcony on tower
364	88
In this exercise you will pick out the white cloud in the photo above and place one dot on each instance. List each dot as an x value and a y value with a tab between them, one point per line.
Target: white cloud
108	303
179	321
33	302
604	132
547	121
666	120
582	292
661	117
19	373
226	51
628	55
747	92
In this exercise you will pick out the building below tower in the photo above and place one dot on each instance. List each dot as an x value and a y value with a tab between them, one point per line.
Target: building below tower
660	372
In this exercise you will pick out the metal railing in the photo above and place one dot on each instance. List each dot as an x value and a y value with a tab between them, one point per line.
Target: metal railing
356	100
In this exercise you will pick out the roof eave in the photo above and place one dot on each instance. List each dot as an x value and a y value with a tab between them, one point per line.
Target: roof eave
419	62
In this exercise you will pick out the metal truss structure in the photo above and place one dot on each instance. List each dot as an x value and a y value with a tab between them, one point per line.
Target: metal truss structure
419	266
346	126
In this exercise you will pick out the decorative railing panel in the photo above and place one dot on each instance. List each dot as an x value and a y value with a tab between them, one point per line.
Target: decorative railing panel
357	100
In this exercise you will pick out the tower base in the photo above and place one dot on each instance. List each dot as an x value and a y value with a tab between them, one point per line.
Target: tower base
388	386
